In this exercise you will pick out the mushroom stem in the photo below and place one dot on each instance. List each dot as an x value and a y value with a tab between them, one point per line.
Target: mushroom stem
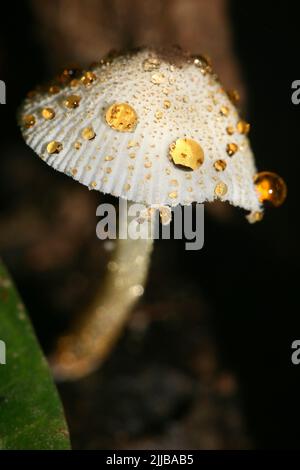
88	343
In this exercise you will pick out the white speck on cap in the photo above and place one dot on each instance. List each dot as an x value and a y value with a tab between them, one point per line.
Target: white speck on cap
150	145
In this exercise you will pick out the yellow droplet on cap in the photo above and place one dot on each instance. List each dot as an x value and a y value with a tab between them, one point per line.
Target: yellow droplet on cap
220	165
72	101
221	189
186	153
121	117
48	113
270	188
54	147
29	120
88	78
234	96
224	110
88	133
231	149
243	127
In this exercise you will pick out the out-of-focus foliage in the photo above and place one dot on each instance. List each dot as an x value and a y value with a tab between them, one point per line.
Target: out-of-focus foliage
30	409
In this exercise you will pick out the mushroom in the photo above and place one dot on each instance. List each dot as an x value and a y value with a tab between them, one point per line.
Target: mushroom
154	127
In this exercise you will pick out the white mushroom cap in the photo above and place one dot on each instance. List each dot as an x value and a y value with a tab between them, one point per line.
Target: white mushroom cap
150	127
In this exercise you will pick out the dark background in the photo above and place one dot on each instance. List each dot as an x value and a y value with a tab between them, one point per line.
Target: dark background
206	358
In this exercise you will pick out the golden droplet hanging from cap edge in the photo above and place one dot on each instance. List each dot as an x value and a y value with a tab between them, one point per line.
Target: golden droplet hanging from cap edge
270	187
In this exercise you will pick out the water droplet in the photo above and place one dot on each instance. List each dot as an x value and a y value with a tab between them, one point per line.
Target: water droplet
187	153
224	110
88	133
88	78
270	187
29	120
121	117
220	165
54	147
243	127
234	96
231	149
72	101
221	189
203	62
48	113
230	130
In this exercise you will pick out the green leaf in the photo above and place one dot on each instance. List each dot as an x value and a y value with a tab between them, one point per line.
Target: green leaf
31	415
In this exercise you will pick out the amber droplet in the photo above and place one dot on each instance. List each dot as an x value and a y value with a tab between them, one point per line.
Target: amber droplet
243	127
72	101
230	130
54	147
173	195
203	62
221	189
187	153
220	165
48	113
231	149
158	114
234	96
88	78
224	110
29	120
167	104
121	117
270	187
88	133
